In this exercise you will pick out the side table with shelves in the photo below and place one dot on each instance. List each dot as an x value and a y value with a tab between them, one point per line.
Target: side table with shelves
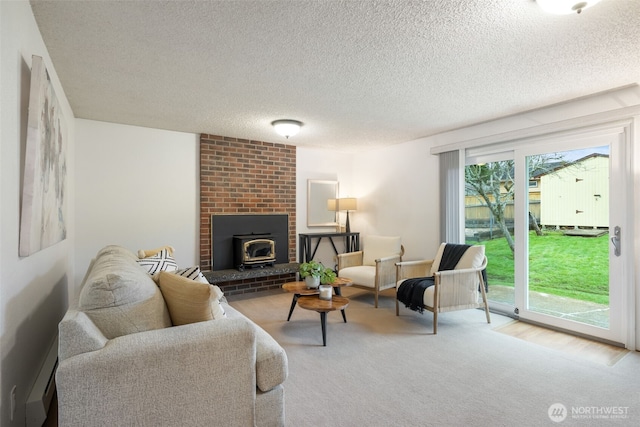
307	249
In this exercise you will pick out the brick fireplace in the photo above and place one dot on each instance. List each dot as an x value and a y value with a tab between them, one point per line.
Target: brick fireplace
239	176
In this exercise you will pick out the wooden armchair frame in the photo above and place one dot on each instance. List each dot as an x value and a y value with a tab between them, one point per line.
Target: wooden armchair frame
384	268
445	295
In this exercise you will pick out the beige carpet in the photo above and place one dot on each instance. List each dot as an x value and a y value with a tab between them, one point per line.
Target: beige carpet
383	370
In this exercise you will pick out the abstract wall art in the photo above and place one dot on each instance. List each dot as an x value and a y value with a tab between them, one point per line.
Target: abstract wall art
43	216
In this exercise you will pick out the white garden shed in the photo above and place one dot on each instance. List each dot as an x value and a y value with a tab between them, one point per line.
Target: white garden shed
576	194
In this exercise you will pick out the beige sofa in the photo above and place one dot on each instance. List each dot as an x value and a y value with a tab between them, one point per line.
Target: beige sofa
121	362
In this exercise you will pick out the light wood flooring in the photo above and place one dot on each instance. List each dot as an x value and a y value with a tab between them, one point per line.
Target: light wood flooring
589	349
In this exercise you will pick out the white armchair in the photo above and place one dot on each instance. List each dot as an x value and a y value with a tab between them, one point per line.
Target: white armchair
372	268
452	281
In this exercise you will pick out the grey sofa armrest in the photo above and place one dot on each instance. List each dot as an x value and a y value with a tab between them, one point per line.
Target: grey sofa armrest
271	361
272	365
78	334
198	374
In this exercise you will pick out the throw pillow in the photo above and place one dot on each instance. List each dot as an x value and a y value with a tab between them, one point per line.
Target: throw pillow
192	273
161	261
188	301
195	274
216	303
144	253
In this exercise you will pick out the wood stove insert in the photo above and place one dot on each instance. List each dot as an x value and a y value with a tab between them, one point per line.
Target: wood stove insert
225	227
254	250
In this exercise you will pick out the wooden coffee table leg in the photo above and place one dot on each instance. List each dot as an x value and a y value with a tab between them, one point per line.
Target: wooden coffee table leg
323	322
293	305
323	307
339	293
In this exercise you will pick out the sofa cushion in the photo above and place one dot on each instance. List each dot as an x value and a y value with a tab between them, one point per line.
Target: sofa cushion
188	301
120	297
376	247
120	251
363	275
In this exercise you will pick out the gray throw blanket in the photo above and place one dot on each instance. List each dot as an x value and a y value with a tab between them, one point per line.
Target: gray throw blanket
411	291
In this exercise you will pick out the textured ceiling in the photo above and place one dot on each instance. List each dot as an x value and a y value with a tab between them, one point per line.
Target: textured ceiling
358	74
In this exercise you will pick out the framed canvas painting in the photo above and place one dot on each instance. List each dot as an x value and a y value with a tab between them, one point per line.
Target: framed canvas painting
43	216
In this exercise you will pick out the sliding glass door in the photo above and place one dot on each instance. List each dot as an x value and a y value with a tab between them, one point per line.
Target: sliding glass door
570	274
489	221
552	217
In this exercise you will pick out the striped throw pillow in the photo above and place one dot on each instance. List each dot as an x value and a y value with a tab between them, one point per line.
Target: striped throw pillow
161	261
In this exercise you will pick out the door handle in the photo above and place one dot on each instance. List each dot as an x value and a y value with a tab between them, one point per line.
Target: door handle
616	240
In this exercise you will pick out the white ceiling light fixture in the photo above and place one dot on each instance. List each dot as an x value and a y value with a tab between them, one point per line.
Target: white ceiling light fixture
565	7
287	128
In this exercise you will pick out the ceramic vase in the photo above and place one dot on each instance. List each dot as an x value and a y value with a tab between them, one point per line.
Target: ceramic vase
312	282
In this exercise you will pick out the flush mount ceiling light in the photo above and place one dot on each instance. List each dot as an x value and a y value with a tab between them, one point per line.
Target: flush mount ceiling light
287	128
565	7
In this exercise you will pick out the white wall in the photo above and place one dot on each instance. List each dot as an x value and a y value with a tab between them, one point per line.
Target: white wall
319	164
135	187
396	188
398	195
139	188
34	289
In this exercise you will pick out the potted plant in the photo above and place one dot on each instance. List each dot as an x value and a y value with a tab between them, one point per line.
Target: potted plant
314	273
328	276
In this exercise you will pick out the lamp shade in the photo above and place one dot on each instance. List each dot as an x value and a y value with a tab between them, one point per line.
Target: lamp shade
348	204
332	205
565	7
287	128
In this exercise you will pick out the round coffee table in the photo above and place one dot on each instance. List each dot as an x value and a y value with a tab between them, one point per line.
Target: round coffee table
313	302
300	288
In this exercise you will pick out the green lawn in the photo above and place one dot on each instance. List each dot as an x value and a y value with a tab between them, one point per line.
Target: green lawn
571	266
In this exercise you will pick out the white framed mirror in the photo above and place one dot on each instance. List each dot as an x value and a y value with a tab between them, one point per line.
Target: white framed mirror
318	193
